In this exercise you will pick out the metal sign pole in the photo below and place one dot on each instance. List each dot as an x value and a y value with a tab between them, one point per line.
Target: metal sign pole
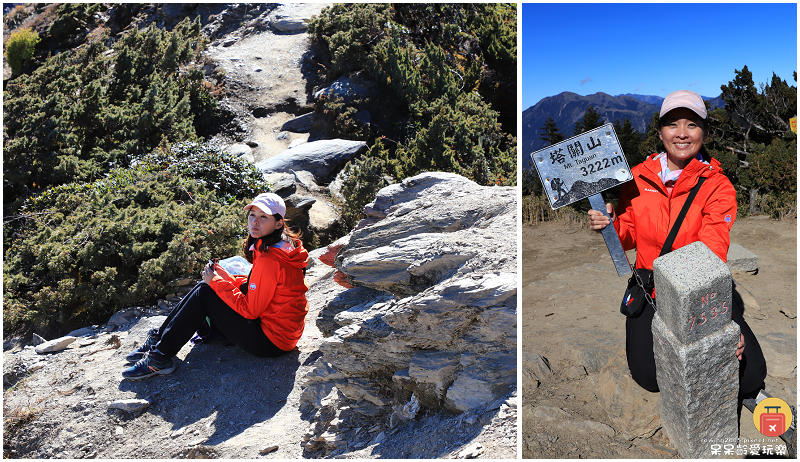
612	240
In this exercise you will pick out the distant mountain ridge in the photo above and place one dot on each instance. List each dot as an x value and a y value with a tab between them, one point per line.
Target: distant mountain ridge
649	99
568	108
657	100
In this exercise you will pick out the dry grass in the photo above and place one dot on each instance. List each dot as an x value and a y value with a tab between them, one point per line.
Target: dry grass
16	419
17	14
42	21
99	33
13	19
15	422
536	209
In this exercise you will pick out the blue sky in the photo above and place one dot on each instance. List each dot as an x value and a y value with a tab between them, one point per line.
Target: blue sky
652	48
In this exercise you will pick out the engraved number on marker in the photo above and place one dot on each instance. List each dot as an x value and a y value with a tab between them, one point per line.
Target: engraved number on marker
601	164
694	318
703	319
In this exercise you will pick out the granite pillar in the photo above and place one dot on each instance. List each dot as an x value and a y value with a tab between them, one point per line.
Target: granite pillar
694	340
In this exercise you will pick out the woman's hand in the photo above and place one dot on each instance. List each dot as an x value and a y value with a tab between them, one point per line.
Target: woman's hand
222	272
598	221
740	347
208	273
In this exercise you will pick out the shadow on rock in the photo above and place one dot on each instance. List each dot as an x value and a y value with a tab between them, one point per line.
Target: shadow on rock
428	435
220	387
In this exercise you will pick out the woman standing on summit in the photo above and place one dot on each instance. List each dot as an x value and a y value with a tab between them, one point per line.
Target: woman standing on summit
264	314
649	206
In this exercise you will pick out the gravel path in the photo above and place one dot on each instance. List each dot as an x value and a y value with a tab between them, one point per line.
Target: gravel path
270	78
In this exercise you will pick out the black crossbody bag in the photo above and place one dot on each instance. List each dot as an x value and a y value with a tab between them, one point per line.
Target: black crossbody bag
641	284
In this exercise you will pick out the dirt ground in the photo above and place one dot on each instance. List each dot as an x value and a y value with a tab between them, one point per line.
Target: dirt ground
571	295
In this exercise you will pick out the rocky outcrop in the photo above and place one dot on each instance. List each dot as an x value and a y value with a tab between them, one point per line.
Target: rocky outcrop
55	345
300	124
347	88
432	319
241	150
290	24
373	359
741	259
321	158
308	206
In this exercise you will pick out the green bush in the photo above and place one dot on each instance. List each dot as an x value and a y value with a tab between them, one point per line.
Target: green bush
231	177
85	112
480	41
20	47
71	20
84	251
349	31
364	177
462	138
769	185
432	66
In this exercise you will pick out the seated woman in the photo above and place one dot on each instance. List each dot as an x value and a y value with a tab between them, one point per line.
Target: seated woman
649	206
264	313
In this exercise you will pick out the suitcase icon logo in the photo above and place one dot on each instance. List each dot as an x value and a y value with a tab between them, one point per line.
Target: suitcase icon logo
773	424
772	417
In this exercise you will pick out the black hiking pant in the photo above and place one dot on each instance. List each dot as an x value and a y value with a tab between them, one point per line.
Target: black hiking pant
642	363
190	315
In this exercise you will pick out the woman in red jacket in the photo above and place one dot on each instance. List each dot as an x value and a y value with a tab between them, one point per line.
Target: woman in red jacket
649	206
264	313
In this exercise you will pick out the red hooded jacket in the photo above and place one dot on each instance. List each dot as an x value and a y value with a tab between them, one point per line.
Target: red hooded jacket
276	293
646	211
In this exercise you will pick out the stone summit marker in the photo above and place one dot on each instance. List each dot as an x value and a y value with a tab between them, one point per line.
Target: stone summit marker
694	340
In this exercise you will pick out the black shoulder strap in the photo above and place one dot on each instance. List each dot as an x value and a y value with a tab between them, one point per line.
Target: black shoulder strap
673	233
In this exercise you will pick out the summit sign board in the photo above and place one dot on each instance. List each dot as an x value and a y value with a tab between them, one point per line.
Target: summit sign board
582	166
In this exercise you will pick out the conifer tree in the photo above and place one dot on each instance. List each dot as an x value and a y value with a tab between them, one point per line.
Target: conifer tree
591	119
742	103
629	140
651	143
753	140
550	132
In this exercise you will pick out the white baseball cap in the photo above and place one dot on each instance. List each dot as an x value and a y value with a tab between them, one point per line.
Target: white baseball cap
270	203
684	98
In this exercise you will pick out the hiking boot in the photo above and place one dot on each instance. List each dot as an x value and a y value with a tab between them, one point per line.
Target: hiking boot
152	338
147	367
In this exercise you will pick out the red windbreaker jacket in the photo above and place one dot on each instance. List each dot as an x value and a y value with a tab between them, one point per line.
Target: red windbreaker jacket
276	294
646	211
